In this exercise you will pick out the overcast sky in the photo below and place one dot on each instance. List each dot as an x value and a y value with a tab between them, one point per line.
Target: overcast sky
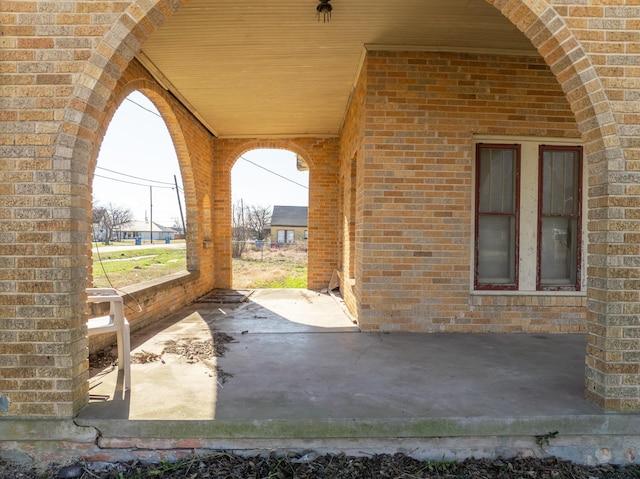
137	153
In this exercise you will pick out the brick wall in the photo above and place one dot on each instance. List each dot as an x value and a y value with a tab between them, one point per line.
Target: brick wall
47	176
421	112
61	62
351	148
147	303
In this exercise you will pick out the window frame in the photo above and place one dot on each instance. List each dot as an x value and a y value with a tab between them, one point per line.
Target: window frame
516	215
577	216
287	238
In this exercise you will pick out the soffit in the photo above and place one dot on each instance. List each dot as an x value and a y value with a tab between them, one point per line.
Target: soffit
267	69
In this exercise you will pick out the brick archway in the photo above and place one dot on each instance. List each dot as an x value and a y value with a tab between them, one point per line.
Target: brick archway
74	151
543	25
292	145
585	93
573	69
321	156
104	68
92	103
76	140
136	79
277	144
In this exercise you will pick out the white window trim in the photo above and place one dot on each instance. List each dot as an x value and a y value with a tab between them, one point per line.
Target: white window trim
528	230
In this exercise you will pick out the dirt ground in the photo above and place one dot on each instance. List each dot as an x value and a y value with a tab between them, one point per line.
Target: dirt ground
338	466
260	266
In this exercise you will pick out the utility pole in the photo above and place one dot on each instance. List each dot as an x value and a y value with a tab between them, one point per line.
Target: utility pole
184	228
244	231
151	214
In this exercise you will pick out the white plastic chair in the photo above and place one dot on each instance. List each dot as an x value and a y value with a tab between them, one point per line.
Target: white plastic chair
114	321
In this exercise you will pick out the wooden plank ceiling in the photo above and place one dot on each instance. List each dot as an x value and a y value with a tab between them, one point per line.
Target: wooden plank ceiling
260	68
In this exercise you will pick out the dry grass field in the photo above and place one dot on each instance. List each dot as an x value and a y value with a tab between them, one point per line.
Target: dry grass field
284	267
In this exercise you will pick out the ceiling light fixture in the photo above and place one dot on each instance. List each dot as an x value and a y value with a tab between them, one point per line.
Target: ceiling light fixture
324	9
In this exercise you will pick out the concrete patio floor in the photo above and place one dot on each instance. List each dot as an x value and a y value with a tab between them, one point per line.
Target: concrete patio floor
300	369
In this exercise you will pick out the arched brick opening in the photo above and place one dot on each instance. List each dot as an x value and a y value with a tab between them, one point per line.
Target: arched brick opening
158	97
573	69
75	149
321	156
87	109
278	144
300	154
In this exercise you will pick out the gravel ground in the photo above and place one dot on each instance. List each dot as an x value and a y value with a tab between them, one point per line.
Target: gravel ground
339	466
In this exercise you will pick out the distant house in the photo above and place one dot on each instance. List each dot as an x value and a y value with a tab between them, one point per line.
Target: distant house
144	230
289	224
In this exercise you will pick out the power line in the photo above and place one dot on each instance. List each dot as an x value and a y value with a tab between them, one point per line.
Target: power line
135	177
144	107
132	183
274	173
242	157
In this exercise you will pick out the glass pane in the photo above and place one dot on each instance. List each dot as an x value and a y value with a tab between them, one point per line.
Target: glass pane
497	183
496	249
570	182
559	182
558	251
485	176
546	182
497	180
506	170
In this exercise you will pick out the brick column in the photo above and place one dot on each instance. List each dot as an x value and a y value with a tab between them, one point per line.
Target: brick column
613	354
613	351
324	221
60	62
592	50
222	233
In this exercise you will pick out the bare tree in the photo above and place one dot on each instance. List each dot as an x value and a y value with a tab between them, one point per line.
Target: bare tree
97	216
110	218
239	230
249	222
97	212
258	220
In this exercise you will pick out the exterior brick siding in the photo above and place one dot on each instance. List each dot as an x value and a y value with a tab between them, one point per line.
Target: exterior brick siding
400	174
421	112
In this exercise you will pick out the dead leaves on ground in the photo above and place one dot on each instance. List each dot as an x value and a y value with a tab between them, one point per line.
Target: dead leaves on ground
197	351
340	466
144	357
193	350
